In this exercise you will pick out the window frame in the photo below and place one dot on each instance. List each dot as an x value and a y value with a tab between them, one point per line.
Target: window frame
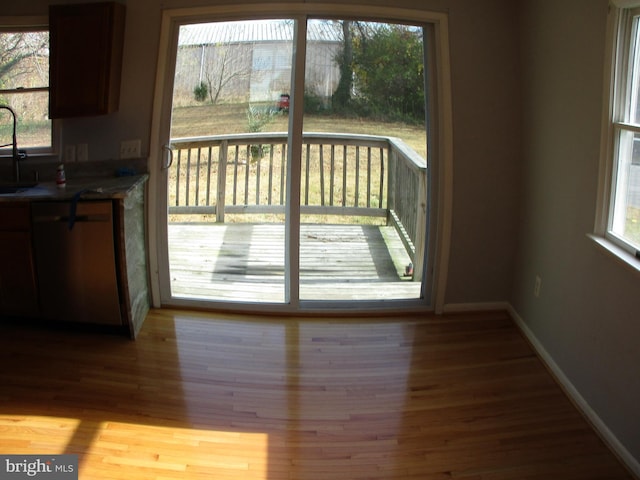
31	23
616	112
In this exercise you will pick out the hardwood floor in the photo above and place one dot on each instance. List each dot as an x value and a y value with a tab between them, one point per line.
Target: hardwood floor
212	396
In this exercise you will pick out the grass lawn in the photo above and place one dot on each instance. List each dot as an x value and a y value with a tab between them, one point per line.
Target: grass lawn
632	230
232	118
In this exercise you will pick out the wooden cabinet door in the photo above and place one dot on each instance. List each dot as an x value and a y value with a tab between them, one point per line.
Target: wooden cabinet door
76	266
18	285
86	58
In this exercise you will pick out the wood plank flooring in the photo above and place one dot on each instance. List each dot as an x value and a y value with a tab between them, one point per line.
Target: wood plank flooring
245	262
231	397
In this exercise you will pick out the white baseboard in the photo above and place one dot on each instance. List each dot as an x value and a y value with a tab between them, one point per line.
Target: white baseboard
607	435
475	307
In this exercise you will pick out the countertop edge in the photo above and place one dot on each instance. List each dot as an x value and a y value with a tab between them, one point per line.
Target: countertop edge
87	188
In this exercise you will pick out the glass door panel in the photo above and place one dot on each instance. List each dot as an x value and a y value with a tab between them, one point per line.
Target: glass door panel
361	189
227	182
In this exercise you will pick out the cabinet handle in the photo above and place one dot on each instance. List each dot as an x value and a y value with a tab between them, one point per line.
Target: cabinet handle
167	166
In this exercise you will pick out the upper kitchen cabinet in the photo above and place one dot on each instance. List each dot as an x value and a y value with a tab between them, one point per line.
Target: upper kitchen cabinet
85	59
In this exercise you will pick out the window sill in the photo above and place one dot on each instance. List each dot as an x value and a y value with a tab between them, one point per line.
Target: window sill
619	254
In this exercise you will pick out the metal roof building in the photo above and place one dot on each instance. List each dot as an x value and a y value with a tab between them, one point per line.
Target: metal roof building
258	55
255	31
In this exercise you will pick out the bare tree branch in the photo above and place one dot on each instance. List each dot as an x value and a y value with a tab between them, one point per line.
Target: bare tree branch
23	54
223	70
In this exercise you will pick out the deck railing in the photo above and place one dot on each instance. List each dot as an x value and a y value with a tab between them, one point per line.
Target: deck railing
351	175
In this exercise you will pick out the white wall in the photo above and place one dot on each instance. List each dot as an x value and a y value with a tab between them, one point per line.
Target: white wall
588	314
486	117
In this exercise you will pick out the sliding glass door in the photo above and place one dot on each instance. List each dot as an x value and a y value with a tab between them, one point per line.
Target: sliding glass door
227	182
293	163
363	100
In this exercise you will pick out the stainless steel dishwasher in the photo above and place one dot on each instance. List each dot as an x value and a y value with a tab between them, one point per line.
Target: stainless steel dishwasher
75	261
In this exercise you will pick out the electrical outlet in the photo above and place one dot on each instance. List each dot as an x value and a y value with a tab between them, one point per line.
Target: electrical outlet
82	152
69	153
537	286
130	148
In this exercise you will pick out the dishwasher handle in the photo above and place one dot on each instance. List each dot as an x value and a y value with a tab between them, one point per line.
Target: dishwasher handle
66	218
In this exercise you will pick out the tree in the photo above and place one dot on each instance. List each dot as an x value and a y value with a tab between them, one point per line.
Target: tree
388	70
224	68
342	96
23	59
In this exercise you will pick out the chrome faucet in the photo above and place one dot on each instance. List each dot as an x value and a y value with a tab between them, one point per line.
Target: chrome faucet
16	154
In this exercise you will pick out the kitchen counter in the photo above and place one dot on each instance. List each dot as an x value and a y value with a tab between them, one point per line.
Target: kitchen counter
26	214
88	188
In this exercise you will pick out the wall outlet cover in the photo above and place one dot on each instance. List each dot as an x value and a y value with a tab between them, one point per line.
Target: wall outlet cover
537	285
82	152
69	153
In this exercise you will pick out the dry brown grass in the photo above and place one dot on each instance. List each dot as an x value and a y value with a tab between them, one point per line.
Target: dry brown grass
225	119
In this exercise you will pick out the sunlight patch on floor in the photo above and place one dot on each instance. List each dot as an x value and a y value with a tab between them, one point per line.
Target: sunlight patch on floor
19	433
173	452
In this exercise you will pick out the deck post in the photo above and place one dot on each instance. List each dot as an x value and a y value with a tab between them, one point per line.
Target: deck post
222	181
421	227
392	155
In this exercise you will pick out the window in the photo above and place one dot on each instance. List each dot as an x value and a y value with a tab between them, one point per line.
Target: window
621	200
24	87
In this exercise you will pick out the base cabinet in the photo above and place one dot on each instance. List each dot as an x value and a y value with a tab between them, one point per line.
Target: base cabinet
18	287
131	254
77	260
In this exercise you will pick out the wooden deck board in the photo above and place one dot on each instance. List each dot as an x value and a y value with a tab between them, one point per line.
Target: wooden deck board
245	262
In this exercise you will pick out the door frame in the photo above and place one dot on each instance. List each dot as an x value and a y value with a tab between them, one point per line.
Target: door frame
439	150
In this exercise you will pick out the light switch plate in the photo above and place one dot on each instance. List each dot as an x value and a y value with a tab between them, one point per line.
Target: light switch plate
130	148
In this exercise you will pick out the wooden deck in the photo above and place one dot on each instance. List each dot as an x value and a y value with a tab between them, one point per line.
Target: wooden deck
245	262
